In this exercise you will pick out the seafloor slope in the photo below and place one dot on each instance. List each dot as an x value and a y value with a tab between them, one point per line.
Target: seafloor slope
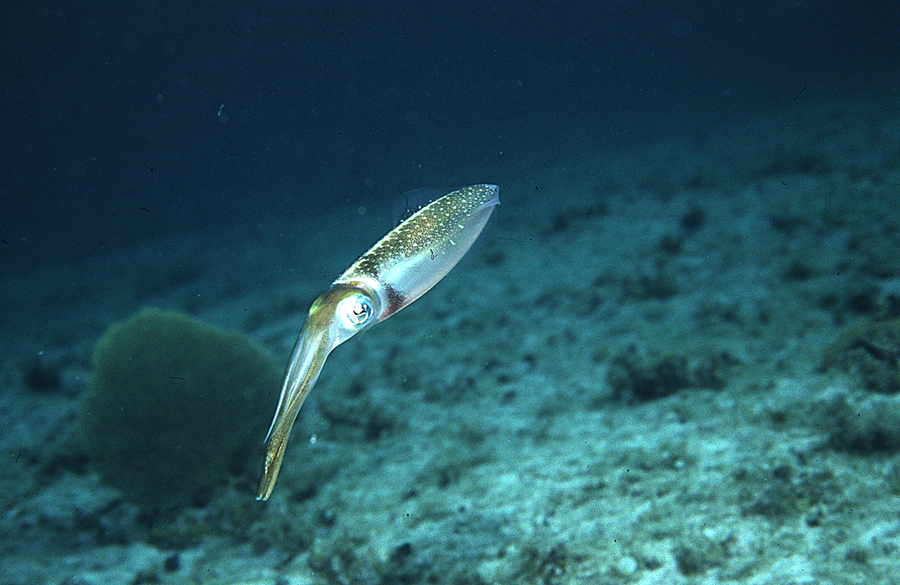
628	382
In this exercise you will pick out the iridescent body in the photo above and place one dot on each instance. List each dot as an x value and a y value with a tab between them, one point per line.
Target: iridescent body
397	270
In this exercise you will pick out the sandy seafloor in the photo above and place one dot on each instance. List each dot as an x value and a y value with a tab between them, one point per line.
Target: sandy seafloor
621	384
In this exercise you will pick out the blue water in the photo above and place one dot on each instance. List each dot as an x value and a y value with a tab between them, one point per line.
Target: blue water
124	123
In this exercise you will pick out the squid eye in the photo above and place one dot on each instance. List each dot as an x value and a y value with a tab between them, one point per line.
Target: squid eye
355	311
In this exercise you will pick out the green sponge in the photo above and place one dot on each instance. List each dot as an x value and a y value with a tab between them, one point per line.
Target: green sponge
175	407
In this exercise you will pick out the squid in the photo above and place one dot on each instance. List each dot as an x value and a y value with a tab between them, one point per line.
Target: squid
400	268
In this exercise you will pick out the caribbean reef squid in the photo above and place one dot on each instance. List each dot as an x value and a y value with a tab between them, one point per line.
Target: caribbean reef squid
400	268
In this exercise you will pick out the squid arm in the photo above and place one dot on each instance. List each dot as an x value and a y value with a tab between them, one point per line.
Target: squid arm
400	268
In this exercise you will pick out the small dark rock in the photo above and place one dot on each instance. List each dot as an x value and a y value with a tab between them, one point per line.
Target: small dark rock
401	552
640	374
693	220
41	376
172	563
